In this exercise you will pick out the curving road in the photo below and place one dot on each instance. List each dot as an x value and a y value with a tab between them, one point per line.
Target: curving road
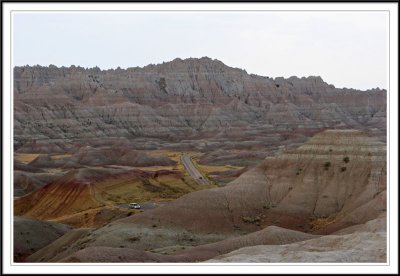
192	170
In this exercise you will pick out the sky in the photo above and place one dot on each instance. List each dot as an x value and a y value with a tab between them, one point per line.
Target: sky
347	49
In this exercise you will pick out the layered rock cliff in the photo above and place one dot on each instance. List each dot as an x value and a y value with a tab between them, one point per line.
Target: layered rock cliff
180	100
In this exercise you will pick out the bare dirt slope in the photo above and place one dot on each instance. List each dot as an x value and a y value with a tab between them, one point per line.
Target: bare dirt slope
31	235
366	244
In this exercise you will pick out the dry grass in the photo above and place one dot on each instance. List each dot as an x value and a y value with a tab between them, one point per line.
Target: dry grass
117	191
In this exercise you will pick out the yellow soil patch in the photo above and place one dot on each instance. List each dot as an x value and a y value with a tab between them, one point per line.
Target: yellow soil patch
209	169
58	156
25	157
319	223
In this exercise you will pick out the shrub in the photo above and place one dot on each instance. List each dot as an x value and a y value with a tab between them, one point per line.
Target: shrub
327	165
342	169
133	239
346	159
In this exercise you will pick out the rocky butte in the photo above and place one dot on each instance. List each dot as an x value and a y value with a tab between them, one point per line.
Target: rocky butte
197	103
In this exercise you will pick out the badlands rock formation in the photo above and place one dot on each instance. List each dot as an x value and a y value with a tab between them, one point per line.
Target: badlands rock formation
89	156
269	235
335	181
171	104
367	244
88	196
88	141
27	182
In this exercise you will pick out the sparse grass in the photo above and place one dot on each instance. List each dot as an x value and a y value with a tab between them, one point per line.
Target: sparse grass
206	169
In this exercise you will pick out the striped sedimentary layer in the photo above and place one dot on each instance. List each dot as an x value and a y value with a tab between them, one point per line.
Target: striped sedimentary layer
302	193
181	99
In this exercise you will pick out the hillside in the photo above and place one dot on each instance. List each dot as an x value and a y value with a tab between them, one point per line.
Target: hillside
90	197
335	181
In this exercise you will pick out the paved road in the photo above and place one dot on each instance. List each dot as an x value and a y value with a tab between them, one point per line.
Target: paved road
192	170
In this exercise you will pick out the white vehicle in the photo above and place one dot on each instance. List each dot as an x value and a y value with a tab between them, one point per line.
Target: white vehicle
134	206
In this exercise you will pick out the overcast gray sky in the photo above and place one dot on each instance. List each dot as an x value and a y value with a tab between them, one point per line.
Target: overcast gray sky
347	49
